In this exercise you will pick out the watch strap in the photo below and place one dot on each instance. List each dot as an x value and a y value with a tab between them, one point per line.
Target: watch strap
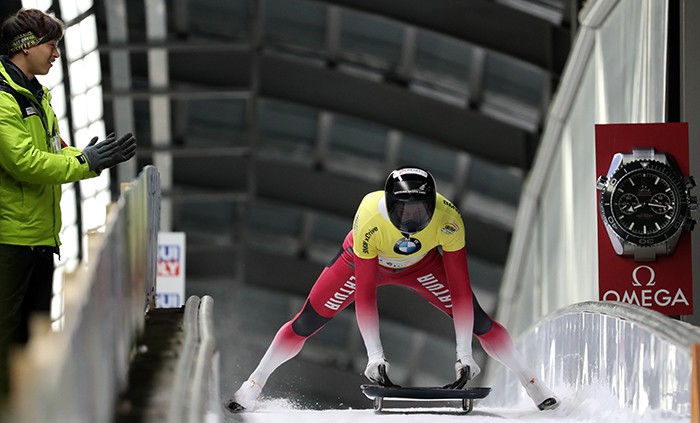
644	153
642	254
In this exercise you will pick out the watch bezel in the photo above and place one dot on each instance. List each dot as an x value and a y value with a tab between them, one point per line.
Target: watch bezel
680	193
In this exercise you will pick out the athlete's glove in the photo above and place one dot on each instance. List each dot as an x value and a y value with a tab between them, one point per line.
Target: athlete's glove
465	370
377	371
109	152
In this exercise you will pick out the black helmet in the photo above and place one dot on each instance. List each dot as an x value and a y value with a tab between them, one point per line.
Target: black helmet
410	198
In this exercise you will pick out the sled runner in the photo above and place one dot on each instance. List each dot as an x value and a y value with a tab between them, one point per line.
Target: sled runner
466	396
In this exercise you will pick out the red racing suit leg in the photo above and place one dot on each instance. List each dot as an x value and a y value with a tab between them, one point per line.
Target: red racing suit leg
332	292
427	278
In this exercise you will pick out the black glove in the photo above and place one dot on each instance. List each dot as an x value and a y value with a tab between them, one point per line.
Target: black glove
127	149
109	152
462	379
376	371
466	369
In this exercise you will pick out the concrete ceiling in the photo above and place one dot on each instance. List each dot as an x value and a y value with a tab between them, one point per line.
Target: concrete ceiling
293	110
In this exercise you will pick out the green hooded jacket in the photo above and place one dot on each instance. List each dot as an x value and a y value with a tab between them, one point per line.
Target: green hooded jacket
33	165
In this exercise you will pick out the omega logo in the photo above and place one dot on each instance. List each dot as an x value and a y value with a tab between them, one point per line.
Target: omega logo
652	275
644	276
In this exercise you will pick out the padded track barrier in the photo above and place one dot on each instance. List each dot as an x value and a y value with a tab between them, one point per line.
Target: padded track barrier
195	395
76	374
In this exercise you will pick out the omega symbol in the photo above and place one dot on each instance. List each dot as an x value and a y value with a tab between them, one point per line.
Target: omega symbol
652	275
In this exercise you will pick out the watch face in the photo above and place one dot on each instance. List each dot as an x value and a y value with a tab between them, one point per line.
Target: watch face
645	202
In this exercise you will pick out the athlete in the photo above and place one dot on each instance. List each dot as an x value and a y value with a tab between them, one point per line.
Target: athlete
406	235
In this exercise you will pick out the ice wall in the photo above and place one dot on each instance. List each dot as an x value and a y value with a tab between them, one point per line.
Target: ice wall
640	356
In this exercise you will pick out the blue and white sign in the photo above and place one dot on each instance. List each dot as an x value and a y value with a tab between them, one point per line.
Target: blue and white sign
170	280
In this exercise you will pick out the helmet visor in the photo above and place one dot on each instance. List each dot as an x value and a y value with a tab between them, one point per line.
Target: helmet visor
411	216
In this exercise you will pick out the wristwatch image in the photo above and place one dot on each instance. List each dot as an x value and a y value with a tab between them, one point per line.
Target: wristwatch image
645	203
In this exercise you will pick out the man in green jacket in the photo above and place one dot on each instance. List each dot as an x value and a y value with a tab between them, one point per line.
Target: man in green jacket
34	162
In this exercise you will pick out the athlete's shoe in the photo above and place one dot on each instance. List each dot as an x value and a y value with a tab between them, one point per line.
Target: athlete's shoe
246	397
541	395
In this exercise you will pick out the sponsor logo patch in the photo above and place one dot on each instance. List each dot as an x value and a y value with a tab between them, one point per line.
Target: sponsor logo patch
365	241
450	228
407	246
450	205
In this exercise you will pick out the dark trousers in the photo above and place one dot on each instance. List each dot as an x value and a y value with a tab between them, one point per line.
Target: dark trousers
26	287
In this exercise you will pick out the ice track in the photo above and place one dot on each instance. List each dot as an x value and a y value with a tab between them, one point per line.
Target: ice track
584	406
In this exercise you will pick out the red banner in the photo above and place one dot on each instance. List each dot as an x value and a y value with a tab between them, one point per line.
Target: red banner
663	284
